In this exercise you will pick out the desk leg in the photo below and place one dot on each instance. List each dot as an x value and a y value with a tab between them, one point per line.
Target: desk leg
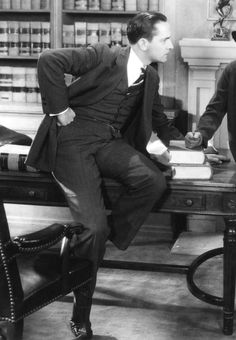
229	275
178	224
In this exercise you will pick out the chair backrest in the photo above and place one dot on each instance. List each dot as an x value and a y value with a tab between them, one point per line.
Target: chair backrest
11	293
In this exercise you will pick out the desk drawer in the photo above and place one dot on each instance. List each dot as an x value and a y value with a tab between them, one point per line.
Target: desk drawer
184	201
23	193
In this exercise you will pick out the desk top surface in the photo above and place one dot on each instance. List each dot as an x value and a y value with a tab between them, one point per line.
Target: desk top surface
224	178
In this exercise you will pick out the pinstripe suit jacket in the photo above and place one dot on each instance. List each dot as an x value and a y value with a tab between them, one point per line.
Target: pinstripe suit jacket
97	70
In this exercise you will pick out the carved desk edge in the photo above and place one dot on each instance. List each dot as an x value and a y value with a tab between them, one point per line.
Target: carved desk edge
211	197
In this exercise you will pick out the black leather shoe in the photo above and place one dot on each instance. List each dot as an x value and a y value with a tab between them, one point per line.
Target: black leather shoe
81	331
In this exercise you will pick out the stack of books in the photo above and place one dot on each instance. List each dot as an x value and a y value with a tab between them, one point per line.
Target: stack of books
185	164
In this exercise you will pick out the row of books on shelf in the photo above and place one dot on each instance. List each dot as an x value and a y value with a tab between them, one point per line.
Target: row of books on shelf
24	38
20	95
87	33
19	84
24	4
111	5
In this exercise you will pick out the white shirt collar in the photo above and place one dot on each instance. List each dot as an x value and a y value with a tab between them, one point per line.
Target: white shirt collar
134	66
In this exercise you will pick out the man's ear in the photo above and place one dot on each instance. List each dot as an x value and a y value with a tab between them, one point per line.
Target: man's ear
143	44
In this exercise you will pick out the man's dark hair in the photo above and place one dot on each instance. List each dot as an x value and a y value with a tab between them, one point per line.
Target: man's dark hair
141	26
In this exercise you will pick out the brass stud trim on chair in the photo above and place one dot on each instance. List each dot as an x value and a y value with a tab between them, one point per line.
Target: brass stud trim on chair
11	296
46	303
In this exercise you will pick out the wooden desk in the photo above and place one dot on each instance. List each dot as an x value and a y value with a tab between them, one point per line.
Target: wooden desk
214	197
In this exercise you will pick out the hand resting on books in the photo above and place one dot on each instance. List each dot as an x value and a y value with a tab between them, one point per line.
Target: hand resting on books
194	140
164	158
159	152
216	158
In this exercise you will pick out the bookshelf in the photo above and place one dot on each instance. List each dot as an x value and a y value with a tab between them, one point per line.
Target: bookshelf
25	28
40	23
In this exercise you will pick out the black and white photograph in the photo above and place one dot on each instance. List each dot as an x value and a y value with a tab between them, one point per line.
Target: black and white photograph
117	169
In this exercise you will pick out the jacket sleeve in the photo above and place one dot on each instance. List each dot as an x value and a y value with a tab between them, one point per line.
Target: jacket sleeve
160	124
216	108
52	66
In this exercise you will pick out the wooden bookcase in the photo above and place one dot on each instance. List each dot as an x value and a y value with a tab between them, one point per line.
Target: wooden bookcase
25	117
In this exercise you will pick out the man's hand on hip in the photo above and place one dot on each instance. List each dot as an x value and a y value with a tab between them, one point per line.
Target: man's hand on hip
66	117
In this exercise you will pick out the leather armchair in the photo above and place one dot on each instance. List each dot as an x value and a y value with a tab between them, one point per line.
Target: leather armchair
32	275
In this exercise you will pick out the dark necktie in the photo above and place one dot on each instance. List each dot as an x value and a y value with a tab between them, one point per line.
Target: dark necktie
141	77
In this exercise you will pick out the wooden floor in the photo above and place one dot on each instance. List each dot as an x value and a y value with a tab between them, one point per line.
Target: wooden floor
135	305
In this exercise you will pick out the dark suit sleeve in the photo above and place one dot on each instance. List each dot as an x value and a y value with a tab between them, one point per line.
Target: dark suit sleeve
160	124
53	64
216	108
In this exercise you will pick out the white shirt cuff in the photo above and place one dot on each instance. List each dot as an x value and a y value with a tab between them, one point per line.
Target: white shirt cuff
58	114
156	147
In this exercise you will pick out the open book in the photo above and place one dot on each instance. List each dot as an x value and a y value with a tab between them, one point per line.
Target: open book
185	163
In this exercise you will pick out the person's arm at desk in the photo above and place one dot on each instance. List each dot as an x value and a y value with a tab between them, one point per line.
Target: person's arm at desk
195	139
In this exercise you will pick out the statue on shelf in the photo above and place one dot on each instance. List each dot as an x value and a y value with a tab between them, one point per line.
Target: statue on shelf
221	31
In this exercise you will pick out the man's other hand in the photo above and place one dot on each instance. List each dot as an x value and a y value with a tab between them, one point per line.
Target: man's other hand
216	158
193	140
164	158
66	118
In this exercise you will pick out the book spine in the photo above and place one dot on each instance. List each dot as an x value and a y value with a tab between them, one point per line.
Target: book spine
31	85
3	38
13	37
36	37
26	4
94	5
105	5
68	4
142	5
16	4
124	37
116	33
35	4
45	4
80	33
105	33
45	35
14	162
153	5
118	5
81	5
92	33
5	84
130	5
68	36
18	84
6	4
24	39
